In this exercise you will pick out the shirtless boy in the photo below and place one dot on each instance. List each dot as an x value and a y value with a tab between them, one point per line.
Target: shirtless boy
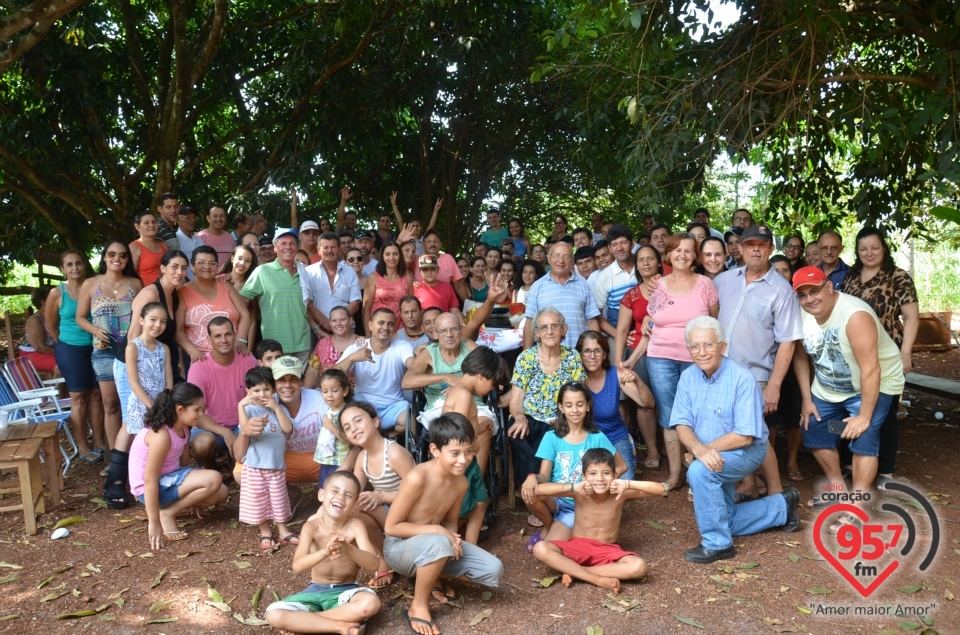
421	527
333	545
482	370
592	554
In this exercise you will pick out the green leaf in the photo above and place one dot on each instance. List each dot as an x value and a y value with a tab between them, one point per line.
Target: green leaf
749	565
793	557
819	590
594	630
160	605
913	588
162	620
910	626
656	525
720	580
13	577
636	18
485	596
688	621
73	520
804	610
927	620
7	565
50	597
482	615
87	613
157	580
242	564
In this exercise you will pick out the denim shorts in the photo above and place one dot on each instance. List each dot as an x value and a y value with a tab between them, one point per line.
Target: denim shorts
170	486
123	387
76	366
628	451
564	513
102	360
818	437
221	444
665	375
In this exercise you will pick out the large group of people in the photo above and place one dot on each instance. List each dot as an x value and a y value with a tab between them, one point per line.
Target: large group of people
193	356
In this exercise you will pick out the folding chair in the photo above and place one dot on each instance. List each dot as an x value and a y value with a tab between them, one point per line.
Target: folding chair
24	379
414	438
30	411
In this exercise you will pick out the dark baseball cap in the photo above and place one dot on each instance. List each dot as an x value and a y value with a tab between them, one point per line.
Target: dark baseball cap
756	232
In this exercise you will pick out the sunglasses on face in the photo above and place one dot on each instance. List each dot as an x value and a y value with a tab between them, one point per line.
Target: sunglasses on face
118	254
354	259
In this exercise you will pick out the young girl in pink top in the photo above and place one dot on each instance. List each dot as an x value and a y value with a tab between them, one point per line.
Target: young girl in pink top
156	456
678	298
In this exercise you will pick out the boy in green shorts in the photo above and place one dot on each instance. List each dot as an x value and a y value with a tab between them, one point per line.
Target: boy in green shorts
333	545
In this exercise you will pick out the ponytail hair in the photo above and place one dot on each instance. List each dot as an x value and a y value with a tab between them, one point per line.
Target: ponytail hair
163	412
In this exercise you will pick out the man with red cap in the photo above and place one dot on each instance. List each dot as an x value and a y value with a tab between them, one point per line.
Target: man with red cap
857	373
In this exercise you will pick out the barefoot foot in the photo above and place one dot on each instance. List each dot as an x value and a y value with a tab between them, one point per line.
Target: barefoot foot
567	580
609	583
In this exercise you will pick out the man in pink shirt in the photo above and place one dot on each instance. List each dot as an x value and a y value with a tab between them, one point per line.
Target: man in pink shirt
449	272
220	377
432	292
216	236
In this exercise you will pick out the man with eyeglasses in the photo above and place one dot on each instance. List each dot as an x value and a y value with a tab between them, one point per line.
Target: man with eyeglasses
718	415
761	317
742	218
448	271
857	374
330	283
832	265
568	294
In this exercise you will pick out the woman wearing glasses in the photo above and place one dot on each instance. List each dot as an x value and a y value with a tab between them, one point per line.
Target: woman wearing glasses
678	297
793	250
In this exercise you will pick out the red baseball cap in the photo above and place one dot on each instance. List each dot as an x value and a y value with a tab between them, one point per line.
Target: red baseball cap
808	276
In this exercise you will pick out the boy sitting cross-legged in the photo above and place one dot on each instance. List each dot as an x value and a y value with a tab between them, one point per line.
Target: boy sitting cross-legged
333	545
592	554
421	525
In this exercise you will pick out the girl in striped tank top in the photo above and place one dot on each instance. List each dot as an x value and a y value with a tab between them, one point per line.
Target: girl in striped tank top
382	463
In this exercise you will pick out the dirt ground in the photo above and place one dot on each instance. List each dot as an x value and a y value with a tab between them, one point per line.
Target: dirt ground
112	571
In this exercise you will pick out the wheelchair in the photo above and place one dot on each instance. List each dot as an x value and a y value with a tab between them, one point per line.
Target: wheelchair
417	442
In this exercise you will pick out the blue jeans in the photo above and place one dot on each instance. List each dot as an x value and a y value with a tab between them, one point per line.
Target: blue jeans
664	377
817	435
626	449
718	517
123	387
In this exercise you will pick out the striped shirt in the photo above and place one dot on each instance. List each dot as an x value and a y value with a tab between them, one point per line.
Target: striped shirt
388	481
283	309
574	299
610	287
729	401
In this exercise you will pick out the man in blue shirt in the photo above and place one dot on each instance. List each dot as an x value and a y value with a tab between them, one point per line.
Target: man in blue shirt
831	244
718	414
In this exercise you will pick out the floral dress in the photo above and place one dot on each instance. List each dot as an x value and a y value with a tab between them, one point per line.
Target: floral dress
540	389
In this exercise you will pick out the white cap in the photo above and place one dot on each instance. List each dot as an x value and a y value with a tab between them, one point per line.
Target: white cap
308	224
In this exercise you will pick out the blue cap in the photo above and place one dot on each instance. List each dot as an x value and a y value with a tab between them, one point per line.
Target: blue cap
283	231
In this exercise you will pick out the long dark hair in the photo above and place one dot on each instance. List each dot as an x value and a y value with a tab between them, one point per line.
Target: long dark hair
636	269
700	268
382	265
129	271
518	274
163	412
228	265
886	265
560	426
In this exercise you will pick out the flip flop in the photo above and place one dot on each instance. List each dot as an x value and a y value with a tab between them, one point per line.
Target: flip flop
794	476
533	521
405	614
844	519
373	583
484	534
447	592
816	501
92	457
269	544
290	540
175	536
534	539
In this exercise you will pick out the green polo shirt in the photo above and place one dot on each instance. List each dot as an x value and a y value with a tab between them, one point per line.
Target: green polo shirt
283	311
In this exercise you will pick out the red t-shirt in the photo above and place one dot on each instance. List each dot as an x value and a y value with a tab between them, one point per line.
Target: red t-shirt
635	301
222	386
441	295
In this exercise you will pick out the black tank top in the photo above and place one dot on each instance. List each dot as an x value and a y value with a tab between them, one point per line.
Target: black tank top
169	334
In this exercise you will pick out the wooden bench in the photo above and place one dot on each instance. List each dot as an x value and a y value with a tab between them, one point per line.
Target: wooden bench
24	456
939	386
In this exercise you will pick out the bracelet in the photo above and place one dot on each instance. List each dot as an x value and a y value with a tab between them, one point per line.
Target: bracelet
315	327
241	340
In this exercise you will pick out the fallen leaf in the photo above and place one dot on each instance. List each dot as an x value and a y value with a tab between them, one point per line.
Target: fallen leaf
101	504
689	622
77	543
486	595
748	565
948	595
242	565
929	587
546	582
149	554
88	613
811	557
677	589
482	615
276	598
927	621
594	630
107	618
10	578
792	544
620	605
119	603
913	588
114	596
213	594
90	567
219	560
910	626
76	593
7	618
784	589
73	520
793	557
720	580
181	556
162	620
819	590
803	610
160	605
234	524
7	565
655	525
255	602
157	580
770	621
54	596
129	553
223	606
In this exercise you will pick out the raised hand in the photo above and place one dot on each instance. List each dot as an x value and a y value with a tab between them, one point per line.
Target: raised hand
345	194
438	205
393	198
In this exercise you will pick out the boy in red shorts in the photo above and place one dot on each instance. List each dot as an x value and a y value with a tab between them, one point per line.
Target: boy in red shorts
592	554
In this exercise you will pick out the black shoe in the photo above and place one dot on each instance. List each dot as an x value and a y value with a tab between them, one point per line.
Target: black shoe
792	496
702	555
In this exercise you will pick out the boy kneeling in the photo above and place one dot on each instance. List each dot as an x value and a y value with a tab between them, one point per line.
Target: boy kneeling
333	545
421	525
592	554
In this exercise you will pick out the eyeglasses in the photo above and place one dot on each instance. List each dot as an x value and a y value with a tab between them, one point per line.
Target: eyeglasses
118	254
813	293
591	352
549	328
706	346
450	331
354	259
791	246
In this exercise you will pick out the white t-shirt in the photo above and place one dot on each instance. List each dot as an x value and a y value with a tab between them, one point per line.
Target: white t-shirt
370	267
187	245
379	382
307	423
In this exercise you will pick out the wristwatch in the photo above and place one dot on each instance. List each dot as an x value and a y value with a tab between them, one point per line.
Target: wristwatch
241	340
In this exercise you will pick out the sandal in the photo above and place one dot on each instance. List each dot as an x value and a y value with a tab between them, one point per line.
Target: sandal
534	539
290	540
175	536
443	591
794	476
375	583
407	619
533	521
93	456
269	545
843	520
816	501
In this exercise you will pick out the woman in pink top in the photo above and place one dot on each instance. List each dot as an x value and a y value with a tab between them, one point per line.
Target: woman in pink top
678	298
388	284
203	299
